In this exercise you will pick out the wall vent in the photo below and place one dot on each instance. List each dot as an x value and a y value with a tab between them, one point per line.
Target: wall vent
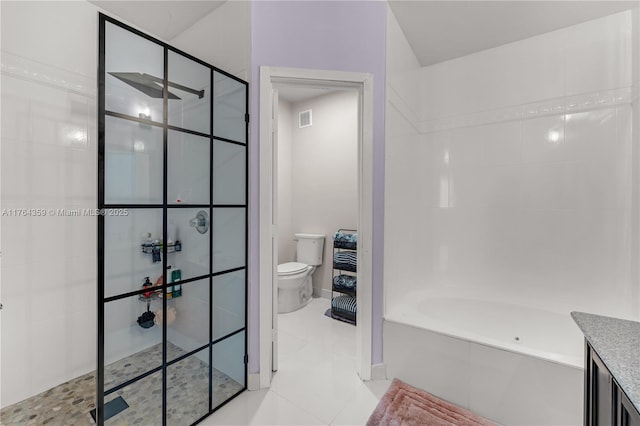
304	119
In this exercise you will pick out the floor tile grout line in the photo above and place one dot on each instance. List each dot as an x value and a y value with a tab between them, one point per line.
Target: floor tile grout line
313	343
298	406
346	404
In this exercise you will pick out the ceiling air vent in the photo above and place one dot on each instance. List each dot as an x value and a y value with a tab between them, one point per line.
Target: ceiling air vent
304	119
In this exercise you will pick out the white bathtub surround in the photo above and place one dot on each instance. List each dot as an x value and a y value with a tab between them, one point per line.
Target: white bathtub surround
496	359
529	331
504	386
511	200
515	169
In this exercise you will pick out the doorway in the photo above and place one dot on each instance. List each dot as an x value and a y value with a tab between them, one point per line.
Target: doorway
272	79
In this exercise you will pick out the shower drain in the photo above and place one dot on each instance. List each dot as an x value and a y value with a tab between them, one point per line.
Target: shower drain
517	339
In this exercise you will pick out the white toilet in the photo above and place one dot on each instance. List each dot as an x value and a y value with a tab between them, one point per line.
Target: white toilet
295	287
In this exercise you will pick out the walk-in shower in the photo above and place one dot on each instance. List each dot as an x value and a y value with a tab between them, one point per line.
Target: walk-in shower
172	193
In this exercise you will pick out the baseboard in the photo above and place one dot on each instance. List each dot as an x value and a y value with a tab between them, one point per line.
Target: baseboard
379	372
253	381
322	293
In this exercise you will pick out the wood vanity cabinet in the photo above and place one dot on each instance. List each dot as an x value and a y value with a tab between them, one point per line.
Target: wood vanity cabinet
605	404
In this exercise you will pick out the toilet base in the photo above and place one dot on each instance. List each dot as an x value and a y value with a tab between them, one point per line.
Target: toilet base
295	299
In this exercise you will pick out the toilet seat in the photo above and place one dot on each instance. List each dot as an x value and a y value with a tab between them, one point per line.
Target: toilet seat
291	268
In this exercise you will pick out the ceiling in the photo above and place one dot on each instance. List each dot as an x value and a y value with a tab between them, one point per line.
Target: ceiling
436	30
164	19
441	30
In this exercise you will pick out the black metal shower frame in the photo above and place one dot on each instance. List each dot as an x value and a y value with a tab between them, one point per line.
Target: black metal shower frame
101	299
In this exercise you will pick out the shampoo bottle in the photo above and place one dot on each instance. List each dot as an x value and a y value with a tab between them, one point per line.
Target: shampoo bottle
176	276
169	279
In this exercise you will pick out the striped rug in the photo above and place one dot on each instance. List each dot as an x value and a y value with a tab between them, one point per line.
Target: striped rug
404	405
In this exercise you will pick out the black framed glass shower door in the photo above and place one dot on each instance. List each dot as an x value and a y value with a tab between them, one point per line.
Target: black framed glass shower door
172	233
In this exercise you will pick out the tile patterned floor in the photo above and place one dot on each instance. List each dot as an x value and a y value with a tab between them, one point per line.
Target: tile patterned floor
68	403
316	384
187	394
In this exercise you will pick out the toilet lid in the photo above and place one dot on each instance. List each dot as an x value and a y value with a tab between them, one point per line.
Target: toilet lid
291	268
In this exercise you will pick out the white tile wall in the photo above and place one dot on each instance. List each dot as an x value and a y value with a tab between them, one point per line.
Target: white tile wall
403	145
48	140
125	264
598	54
190	329
535	207
589	57
228	228
228	303
49	146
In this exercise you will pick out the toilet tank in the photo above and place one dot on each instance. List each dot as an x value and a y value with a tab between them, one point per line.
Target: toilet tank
309	248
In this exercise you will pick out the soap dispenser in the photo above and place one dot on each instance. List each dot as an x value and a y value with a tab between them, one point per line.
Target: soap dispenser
145	284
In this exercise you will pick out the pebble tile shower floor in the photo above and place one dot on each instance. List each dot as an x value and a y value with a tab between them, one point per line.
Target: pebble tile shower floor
71	402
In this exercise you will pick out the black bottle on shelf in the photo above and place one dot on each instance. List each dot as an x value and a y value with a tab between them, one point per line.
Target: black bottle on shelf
146	284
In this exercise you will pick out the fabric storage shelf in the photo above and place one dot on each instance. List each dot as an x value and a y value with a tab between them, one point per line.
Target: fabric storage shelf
345	261
344	282
345	239
345	245
344	308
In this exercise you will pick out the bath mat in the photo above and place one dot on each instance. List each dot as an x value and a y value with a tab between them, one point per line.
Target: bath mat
404	405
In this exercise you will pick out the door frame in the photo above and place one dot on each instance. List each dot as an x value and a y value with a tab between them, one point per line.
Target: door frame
341	80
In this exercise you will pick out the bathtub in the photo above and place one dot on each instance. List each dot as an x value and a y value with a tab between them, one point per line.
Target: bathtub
513	364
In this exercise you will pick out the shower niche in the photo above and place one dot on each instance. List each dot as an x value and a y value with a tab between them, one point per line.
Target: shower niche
172	242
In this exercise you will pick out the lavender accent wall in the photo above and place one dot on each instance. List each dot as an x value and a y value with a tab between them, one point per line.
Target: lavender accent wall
329	35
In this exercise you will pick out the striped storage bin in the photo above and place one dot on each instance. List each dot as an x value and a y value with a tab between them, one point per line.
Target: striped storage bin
345	261
344	307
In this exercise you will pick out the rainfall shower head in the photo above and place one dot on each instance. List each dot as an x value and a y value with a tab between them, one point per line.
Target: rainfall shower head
143	83
152	86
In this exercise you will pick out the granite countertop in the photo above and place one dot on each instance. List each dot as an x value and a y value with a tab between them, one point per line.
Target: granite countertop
617	343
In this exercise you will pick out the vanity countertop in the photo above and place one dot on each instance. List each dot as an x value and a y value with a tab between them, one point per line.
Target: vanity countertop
617	343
